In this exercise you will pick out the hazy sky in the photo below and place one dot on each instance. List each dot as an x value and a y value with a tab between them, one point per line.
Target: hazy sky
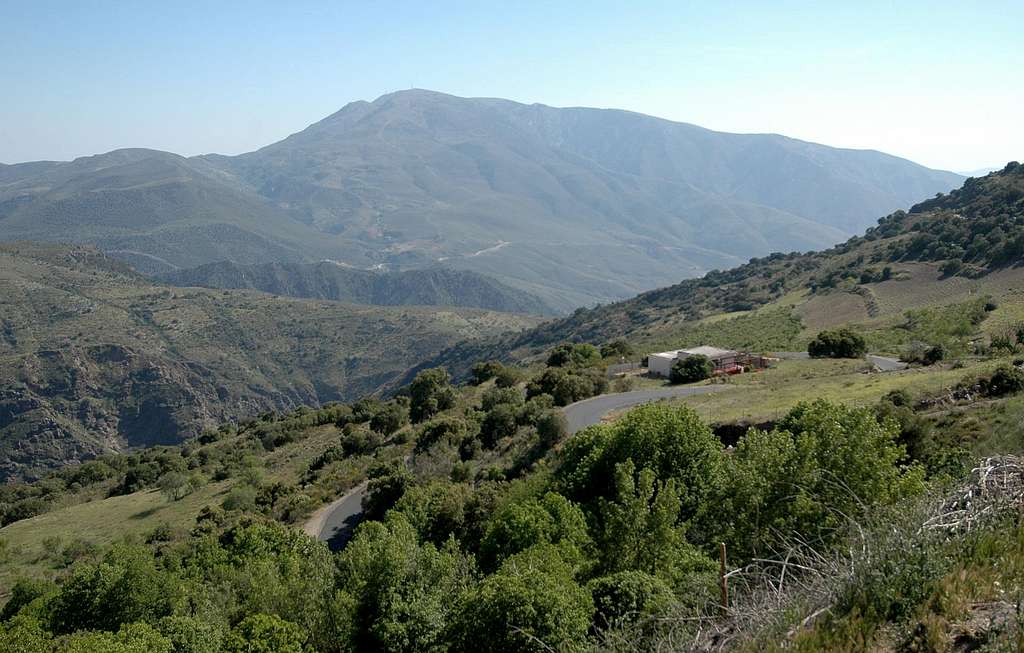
938	82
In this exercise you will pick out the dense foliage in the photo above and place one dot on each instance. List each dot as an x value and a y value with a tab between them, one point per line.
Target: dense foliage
623	529
691	369
840	343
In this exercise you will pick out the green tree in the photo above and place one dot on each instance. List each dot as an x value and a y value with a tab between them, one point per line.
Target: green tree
499	423
400	594
626	597
429	393
265	633
392	416
822	464
840	343
552	428
691	369
552	519
532	603
24	634
574	355
617	348
191	634
671	441
642	529
484	371
127	586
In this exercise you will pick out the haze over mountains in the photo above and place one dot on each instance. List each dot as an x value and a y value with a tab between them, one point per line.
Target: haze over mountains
573	205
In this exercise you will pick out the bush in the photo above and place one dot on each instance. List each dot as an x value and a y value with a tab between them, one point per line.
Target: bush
429	393
574	355
484	371
627	597
499	423
1005	380
691	369
552	428
532	604
617	348
841	343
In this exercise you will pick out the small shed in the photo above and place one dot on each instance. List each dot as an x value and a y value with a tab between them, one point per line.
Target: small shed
661	363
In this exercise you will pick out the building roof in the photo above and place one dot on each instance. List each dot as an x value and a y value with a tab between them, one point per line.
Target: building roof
703	350
710	352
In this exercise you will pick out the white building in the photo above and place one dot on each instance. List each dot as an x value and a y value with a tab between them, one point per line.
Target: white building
661	363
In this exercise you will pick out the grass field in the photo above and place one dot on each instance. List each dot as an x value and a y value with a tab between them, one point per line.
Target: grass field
768	395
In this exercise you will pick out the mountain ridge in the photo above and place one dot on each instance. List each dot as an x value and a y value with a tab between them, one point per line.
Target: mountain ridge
419	178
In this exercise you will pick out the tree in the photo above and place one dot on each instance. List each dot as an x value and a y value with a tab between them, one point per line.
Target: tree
485	371
574	355
265	633
386	487
617	348
127	586
498	424
840	343
627	597
429	393
551	519
822	464
400	594
531	604
192	634
671	441
642	528
392	416
552	428
691	369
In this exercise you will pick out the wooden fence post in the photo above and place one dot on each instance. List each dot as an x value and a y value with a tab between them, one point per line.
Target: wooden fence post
723	582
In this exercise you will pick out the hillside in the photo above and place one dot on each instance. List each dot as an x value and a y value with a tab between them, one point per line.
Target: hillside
418	178
867	508
95	358
943	250
328	280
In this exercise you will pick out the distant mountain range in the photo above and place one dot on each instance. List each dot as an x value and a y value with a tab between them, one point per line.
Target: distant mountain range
575	205
328	280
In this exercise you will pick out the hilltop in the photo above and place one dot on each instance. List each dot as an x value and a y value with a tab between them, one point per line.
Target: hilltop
575	205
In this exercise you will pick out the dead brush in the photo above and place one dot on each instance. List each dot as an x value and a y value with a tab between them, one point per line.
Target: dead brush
777	596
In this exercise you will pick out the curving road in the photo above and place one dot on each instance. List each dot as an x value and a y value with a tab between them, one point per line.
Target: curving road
590	411
335	522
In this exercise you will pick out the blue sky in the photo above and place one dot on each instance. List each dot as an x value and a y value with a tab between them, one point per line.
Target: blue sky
938	82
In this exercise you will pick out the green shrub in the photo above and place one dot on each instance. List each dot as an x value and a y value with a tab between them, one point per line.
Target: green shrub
841	343
691	369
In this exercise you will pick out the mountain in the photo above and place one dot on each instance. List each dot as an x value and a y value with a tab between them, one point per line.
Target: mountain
948	248
575	205
329	280
95	358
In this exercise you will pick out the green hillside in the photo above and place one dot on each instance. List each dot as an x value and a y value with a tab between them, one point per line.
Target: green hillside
95	358
942	251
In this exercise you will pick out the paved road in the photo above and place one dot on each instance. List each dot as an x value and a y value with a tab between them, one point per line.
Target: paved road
886	364
590	411
335	522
